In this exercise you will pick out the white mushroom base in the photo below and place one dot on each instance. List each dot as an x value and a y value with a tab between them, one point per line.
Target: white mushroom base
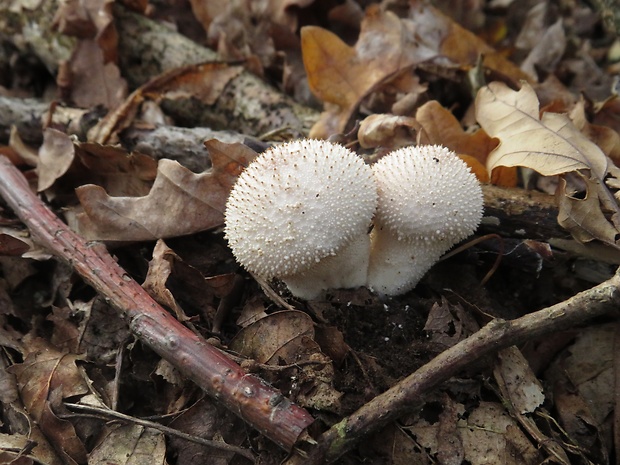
397	265
345	270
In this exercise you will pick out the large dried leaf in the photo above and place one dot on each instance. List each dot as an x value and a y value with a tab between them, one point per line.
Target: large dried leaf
44	378
455	44
550	145
266	340
285	338
78	163
95	81
441	127
204	82
180	202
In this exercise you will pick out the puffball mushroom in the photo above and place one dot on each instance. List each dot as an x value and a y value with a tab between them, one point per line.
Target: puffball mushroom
428	201
301	212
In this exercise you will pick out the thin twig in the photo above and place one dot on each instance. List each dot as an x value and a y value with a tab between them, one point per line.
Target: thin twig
407	395
96	412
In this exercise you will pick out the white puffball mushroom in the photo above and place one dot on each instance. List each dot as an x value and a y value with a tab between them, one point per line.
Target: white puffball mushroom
429	200
301	212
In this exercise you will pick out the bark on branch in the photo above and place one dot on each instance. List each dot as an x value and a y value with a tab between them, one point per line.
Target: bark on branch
496	335
263	407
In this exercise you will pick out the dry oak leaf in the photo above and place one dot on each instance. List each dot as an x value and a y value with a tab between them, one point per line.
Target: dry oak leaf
287	337
56	156
179	203
550	145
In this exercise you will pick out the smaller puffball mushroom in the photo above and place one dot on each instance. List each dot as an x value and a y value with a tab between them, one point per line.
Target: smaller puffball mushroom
428	201
301	212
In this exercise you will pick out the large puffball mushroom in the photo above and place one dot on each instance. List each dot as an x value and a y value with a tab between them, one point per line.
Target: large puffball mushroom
301	212
428	201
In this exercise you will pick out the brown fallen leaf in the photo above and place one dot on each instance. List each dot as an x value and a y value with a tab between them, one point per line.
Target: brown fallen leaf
179	203
524	394
582	381
448	324
45	376
583	218
389	131
341	75
129	444
160	269
78	163
94	77
462	47
521	386
605	137
266	338
56	156
95	81
285	338
550	145
208	420
440	126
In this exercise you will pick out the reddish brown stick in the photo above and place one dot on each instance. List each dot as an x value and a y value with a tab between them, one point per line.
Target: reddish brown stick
260	405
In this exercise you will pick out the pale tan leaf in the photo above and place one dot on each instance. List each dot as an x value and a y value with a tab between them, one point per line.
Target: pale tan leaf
390	131
518	381
131	445
55	157
551	145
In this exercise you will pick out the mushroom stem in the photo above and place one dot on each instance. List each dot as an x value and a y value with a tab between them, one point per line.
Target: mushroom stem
428	200
397	265
347	269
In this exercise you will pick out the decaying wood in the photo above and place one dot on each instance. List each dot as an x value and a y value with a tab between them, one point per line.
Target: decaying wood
147	49
247	105
247	396
407	395
514	212
30	116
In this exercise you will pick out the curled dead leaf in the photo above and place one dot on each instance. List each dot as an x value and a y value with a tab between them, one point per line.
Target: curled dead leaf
583	217
389	131
179	203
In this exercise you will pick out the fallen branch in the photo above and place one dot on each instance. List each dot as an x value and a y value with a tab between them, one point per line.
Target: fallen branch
260	405
405	396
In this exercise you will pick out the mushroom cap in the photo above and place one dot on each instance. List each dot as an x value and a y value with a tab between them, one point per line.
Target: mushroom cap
296	204
427	193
